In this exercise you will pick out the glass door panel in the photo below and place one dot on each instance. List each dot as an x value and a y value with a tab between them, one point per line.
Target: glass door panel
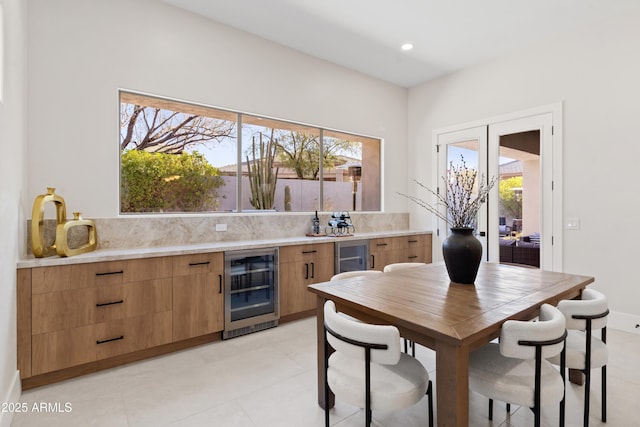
519	198
468	146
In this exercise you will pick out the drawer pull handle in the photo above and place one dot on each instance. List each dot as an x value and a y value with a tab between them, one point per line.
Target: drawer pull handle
413	241
121	337
193	264
413	256
110	273
109	303
381	244
310	252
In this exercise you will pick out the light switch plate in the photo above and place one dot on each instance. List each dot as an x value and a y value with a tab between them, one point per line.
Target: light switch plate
573	224
221	227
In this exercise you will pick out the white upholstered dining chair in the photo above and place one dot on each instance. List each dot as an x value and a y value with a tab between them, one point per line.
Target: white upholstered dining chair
515	370
401	265
368	370
585	351
355	273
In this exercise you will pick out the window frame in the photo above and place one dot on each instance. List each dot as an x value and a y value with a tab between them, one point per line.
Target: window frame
127	96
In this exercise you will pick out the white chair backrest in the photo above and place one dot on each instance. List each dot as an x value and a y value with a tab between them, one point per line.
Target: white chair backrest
591	304
401	266
373	334
550	325
356	273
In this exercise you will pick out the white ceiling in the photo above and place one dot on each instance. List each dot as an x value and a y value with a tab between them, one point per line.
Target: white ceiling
448	35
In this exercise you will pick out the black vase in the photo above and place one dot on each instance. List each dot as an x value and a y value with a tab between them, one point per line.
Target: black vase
462	255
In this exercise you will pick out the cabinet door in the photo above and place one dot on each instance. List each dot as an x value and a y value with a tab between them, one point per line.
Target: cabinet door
198	302
306	264
383	251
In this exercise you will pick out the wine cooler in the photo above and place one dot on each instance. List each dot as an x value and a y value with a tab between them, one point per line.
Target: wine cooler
251	291
351	255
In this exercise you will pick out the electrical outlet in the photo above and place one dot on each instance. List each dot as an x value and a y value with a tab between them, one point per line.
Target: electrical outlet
221	227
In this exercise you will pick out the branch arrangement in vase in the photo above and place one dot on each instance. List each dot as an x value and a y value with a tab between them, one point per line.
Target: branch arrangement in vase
460	203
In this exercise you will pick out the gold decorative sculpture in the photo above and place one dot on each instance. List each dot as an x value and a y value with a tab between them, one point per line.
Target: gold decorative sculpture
60	245
62	233
38	244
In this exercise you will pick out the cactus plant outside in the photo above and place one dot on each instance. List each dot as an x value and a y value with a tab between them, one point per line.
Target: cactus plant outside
287	198
262	179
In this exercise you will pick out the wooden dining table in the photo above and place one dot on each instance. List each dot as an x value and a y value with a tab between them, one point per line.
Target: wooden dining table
452	319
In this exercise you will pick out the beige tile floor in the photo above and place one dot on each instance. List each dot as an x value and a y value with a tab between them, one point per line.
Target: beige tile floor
269	379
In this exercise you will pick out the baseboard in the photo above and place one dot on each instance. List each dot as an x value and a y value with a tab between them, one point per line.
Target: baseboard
624	322
13	396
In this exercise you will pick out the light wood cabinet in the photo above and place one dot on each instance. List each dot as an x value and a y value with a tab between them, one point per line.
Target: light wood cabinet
78	318
72	347
382	251
198	301
87	312
300	266
390	250
415	248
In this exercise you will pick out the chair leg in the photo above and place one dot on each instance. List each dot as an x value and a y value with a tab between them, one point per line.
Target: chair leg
508	407
326	381
490	409
413	349
587	395
604	394
430	394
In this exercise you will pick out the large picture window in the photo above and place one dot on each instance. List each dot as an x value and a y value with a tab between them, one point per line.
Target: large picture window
182	157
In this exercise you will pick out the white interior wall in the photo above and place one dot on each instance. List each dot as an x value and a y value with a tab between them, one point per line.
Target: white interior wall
13	147
81	52
595	74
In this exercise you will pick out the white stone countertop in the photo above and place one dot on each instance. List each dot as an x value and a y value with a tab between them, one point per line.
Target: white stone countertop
133	253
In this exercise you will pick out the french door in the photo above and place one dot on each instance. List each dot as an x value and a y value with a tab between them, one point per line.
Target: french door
468	145
519	151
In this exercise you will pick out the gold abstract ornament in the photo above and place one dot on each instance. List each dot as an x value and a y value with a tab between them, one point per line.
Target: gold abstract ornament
38	245
62	236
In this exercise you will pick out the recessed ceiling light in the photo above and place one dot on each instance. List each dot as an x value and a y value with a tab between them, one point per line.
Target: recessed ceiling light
406	46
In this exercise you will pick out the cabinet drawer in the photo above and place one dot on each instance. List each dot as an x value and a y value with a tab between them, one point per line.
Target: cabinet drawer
77	276
132	334
63	349
417	254
385	244
306	252
416	241
198	264
54	311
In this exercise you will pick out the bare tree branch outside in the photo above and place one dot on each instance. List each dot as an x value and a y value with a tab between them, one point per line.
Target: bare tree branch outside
162	131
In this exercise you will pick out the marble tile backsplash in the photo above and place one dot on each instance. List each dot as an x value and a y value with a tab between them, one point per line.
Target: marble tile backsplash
148	232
